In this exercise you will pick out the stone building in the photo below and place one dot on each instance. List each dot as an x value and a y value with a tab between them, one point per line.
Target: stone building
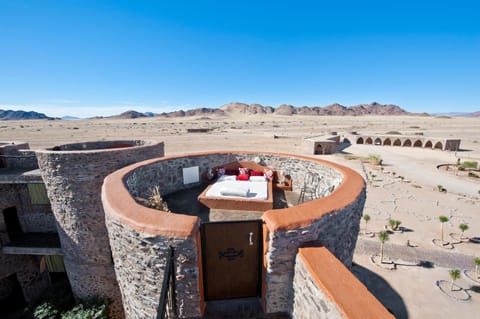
443	144
324	144
81	202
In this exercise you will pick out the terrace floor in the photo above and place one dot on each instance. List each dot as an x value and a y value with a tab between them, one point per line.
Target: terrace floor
185	202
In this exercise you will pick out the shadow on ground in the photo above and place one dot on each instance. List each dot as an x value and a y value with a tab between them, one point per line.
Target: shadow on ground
382	291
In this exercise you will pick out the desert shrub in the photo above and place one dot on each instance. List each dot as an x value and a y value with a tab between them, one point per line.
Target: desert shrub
46	310
54	301
469	164
472	174
88	310
393	133
394	224
375	159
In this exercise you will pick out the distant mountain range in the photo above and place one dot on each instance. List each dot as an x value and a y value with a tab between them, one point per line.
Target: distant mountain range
284	109
237	108
22	115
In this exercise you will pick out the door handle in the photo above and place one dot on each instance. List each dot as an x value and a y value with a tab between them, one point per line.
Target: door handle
250	238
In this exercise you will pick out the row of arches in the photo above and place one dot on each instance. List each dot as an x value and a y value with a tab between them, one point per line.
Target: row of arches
399	142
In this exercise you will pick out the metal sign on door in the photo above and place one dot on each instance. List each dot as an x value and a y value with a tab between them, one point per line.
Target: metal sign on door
231	259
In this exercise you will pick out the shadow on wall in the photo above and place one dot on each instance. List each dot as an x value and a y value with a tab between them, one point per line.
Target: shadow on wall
382	291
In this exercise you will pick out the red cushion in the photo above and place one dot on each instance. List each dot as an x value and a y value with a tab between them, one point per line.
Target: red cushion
256	173
243	177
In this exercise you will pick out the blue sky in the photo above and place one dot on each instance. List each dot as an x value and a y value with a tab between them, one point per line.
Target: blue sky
87	58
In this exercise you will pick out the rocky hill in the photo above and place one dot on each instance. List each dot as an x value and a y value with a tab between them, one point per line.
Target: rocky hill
286	109
22	115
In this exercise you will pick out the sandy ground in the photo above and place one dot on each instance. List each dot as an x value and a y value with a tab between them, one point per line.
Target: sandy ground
413	199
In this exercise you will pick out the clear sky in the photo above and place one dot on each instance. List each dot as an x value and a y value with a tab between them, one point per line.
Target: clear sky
88	58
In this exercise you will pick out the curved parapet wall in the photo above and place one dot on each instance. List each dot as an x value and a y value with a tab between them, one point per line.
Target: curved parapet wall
73	175
140	236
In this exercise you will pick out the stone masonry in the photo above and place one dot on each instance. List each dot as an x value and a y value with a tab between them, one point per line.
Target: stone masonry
336	230
309	300
73	176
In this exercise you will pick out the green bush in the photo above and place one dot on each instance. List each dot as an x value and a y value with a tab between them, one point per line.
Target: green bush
46	311
469	164
93	310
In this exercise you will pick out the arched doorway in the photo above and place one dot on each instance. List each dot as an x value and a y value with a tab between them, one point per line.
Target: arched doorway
439	146
417	143
407	143
397	142
387	142
428	144
360	140
378	141
318	148
369	140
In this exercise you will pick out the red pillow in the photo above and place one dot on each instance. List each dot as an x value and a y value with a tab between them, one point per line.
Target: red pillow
243	177
256	173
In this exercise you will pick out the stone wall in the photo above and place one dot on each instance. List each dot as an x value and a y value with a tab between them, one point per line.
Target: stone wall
18	156
140	261
325	288
309	300
73	179
337	231
332	221
167	174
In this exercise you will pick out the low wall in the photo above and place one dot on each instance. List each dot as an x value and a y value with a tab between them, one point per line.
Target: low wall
324	288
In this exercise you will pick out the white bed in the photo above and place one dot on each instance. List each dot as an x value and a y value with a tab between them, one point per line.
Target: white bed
258	198
228	186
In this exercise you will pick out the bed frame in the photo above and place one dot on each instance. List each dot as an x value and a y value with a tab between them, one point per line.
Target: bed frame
239	203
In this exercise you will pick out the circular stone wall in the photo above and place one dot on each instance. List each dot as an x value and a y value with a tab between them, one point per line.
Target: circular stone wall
140	236
73	176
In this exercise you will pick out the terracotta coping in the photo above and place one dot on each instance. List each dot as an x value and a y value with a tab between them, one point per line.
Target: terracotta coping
120	204
352	298
304	214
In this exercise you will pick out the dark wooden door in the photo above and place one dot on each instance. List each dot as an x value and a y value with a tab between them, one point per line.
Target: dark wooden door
231	259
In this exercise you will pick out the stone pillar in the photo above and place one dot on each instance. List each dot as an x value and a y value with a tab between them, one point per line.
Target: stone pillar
73	175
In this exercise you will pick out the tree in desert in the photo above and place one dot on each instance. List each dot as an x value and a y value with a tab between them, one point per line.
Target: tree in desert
463	227
366	218
443	219
454	275
383	236
476	261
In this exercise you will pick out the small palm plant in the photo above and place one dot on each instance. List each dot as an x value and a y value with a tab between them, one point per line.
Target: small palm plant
394	224
443	219
476	261
463	227
383	236
366	218
454	275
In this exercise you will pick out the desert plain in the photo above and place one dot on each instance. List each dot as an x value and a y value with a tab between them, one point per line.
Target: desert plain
404	188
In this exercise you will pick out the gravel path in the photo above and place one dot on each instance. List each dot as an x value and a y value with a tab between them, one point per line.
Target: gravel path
447	259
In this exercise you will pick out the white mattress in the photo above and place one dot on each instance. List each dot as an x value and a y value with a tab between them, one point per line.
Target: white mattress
253	190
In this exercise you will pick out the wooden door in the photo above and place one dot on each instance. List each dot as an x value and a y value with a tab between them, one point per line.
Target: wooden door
231	259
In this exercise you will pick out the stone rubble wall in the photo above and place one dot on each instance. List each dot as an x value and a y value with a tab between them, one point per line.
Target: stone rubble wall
18	156
309	300
337	231
73	180
140	261
168	174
